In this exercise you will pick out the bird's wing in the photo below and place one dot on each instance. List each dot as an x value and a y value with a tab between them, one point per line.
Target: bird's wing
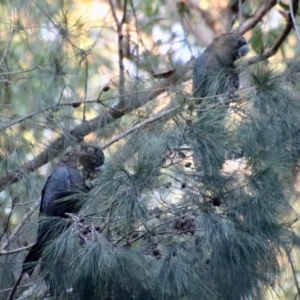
58	183
63	182
200	76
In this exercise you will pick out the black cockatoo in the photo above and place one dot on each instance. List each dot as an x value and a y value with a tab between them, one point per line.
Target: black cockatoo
65	180
214	72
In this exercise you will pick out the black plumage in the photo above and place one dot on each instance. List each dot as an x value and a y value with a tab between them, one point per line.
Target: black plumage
214	72
65	180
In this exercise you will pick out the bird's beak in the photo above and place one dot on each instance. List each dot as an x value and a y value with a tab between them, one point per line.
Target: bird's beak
243	50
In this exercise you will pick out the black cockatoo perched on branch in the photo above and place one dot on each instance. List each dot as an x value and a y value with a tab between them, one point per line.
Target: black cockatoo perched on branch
65	180
214	72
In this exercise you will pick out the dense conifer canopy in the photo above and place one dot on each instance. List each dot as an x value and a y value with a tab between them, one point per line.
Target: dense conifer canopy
199	195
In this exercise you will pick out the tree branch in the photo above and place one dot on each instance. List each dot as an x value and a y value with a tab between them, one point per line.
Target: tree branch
293	19
16	250
257	17
15	287
78	133
293	270
7	46
240	11
271	51
22	286
120	47
140	125
20	225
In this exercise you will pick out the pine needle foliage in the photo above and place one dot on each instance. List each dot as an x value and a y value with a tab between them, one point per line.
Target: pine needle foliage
195	205
169	222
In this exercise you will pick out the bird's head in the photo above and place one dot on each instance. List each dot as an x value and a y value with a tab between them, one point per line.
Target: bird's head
229	47
91	158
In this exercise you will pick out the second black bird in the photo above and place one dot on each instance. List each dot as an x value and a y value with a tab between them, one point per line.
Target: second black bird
214	71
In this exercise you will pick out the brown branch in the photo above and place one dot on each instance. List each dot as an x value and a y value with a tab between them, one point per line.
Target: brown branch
74	104
78	133
240	11
271	51
15	287
16	250
20	225
7	220
18	121
257	17
120	47
22	286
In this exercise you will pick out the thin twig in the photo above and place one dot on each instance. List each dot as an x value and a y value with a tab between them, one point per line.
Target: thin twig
271	51
120	47
19	72
16	250
15	287
293	270
160	225
61	143
7	46
20	225
240	12
8	219
74	103
256	17
85	88
137	37
45	109
22	286
294	20
140	125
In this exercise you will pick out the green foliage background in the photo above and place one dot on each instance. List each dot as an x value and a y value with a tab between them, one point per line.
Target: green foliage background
179	212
